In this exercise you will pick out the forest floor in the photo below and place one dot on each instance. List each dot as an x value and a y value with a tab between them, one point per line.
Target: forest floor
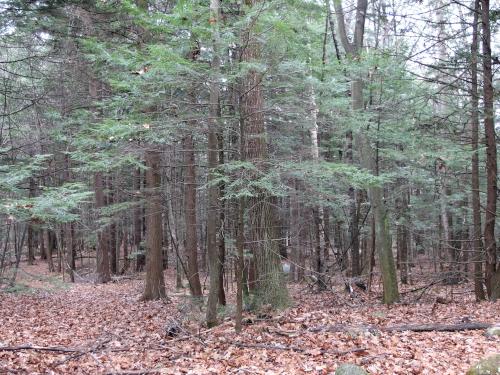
105	329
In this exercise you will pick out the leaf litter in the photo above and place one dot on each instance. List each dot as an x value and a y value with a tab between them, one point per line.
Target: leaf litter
105	329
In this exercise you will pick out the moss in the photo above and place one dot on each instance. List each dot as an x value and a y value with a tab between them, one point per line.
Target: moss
19	288
350	369
486	366
493	331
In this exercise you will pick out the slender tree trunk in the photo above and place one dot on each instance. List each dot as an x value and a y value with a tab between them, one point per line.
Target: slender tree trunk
446	224
31	250
112	231
317	210
213	193
240	243
140	258
375	193
477	242
222	239
190	217
492	288
103	274
353	244
155	285
402	239
48	250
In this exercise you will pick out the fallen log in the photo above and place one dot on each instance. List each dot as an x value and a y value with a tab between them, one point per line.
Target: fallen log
433	327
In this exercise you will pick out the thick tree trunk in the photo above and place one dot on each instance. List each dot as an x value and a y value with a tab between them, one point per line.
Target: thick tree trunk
155	285
270	282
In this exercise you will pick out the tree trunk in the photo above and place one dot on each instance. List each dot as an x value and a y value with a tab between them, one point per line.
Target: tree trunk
270	283
240	243
155	285
222	239
492	289
402	240
375	193
31	250
102	255
48	250
477	242
112	231
190	217
140	257
317	210
212	156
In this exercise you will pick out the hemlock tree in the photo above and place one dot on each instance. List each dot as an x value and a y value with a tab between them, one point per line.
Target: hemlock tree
375	193
270	284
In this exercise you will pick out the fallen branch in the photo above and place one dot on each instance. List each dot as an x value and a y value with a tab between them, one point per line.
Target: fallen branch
81	353
297	349
134	372
267	346
39	348
436	327
439	327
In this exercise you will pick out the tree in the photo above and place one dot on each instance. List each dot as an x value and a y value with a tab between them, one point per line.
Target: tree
155	285
375	193
212	156
492	278
270	283
477	242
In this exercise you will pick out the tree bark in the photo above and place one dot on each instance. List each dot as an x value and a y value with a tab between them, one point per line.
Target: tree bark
375	193
190	217
477	242
317	209
213	193
112	231
492	289
140	258
102	255
222	219
31	250
270	283
155	285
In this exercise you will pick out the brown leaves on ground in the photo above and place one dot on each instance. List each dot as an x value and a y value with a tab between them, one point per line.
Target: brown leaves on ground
111	332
